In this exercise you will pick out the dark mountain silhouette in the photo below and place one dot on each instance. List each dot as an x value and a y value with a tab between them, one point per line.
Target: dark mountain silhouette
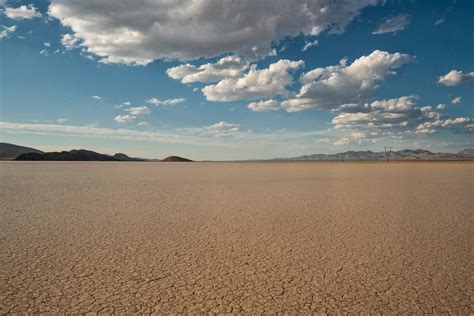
405	154
175	159
11	151
72	155
123	157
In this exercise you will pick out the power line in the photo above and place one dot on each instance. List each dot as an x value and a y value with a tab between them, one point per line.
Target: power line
388	153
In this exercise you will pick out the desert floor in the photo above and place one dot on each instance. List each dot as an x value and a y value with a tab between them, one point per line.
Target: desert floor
236	237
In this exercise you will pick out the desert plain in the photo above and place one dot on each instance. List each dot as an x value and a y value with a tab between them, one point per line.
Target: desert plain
298	238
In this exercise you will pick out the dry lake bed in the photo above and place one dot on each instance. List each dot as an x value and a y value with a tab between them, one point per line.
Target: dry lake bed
236	237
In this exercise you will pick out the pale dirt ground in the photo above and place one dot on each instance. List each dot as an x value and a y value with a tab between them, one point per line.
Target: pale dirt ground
236	237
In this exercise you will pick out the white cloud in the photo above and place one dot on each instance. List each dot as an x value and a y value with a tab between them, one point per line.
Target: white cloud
124	104
342	142
44	52
455	77
70	41
6	31
124	32
138	110
441	106
384	115
47	44
223	129
124	118
332	86
457	121
394	24
440	21
227	67
357	135
308	44
22	13
393	118
62	120
143	124
456	100
255	83
167	102
266	105
96	97
224	126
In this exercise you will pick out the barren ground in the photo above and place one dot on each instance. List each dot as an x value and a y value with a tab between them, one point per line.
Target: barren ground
236	237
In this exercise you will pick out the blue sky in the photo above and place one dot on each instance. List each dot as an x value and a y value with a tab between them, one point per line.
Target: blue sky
222	80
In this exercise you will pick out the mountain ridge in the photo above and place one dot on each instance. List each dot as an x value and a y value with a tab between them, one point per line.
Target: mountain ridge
11	151
404	154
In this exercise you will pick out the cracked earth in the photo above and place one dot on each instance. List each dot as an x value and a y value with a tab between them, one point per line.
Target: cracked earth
236	237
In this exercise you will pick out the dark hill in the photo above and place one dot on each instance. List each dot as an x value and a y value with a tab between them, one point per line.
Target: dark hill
11	151
73	155
123	157
176	159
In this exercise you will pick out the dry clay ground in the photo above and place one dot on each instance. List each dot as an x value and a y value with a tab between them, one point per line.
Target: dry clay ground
236	237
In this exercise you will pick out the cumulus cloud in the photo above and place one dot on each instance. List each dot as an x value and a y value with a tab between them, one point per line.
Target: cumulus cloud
70	41
96	97
309	44
392	117
24	12
124	118
393	114
342	142
394	24
6	31
255	84
332	86
456	100
227	67
457	121
167	102
266	105
124	32
455	77
138	110
223	128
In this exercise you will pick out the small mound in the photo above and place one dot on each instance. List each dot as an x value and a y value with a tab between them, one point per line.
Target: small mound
176	159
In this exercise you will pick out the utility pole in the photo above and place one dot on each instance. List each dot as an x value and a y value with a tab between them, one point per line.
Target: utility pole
388	153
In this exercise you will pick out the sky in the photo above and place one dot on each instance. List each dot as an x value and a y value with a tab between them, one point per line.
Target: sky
228	80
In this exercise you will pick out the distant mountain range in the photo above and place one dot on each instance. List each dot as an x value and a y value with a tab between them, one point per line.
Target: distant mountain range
15	152
75	155
11	151
367	155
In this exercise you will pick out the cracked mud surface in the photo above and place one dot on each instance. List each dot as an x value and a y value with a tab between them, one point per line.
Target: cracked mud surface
236	237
